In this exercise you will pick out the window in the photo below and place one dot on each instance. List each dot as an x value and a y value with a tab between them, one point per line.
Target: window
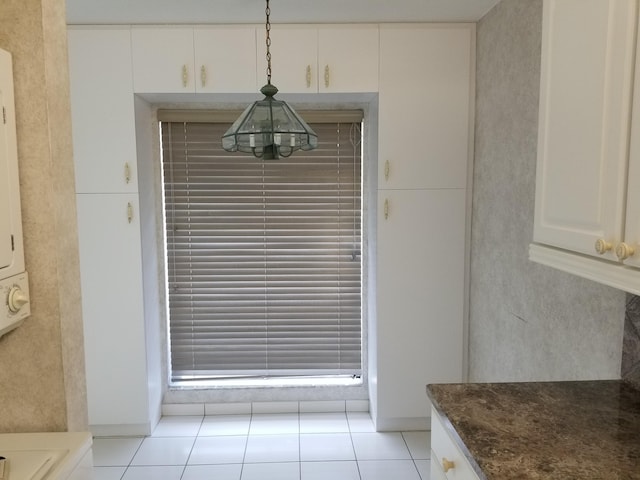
264	257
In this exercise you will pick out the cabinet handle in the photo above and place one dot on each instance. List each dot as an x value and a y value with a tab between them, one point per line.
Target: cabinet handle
185	76
386	170
203	75
129	212
624	251
386	208
127	172
308	76
602	246
326	76
447	464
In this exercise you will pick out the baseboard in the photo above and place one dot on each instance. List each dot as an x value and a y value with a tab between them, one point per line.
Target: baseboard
121	430
402	424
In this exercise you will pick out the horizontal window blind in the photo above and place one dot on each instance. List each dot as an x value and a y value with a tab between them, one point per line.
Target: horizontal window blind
264	263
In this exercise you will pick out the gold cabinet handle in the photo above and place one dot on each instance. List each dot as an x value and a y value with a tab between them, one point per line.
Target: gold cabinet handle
326	76
447	464
308	76
386	170
386	208
127	172
602	246
624	251
203	75
129	212
185	76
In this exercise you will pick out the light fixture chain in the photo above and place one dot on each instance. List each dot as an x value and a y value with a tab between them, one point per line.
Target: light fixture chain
268	41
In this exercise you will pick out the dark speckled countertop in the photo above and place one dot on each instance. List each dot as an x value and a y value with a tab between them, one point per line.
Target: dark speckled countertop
550	430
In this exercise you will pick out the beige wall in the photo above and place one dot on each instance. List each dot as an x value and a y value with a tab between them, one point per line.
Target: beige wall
42	362
527	321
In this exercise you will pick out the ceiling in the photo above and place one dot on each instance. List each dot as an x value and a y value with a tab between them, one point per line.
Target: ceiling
282	11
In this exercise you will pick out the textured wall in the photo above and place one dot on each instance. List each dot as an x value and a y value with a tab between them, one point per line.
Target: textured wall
631	349
42	362
527	321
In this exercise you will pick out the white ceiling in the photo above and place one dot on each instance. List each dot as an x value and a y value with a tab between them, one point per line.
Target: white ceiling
282	11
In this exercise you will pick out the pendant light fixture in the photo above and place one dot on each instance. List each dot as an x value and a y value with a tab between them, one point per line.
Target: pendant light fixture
270	128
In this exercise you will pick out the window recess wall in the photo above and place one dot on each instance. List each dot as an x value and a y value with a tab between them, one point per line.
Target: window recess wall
264	257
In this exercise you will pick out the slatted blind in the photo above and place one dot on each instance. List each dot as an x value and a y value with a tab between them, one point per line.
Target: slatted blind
264	263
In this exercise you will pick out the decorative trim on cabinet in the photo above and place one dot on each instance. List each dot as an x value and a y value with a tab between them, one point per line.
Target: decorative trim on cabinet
609	273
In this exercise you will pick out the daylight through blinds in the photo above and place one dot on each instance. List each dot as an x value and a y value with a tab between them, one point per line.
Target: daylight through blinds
264	257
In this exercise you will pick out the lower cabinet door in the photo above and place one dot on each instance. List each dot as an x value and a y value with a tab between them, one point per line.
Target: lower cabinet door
111	276
420	296
446	456
436	469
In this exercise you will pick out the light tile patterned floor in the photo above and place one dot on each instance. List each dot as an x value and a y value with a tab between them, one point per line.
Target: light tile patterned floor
304	446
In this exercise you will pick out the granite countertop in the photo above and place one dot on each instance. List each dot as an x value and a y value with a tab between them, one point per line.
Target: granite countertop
550	430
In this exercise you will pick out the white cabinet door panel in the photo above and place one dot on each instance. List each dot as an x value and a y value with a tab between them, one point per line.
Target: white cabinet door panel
425	106
163	60
225	59
348	58
585	101
294	58
104	143
111	276
632	229
420	295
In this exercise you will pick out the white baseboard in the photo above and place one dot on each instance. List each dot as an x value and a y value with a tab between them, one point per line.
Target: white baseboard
121	430
403	424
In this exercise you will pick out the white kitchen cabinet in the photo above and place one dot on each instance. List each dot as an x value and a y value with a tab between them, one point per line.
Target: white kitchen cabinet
424	152
327	59
104	143
447	460
217	59
426	100
586	181
120	399
420	296
114	333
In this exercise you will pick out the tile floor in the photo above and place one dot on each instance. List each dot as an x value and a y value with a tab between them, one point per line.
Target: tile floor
304	446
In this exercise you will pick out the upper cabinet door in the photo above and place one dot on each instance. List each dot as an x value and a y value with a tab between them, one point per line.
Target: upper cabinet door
163	60
632	229
426	105
225	59
294	58
104	143
348	58
585	103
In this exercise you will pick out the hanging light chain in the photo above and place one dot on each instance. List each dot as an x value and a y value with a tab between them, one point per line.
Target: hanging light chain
268	42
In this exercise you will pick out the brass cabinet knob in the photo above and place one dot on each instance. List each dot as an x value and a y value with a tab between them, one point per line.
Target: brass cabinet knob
447	464
624	251
602	246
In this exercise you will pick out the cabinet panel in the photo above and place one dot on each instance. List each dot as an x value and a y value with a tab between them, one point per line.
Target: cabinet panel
348	58
225	59
444	449
632	228
111	276
163	60
294	58
104	144
420	295
585	101
425	105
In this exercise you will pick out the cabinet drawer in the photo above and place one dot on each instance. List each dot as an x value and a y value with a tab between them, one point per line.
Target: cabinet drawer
443	447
